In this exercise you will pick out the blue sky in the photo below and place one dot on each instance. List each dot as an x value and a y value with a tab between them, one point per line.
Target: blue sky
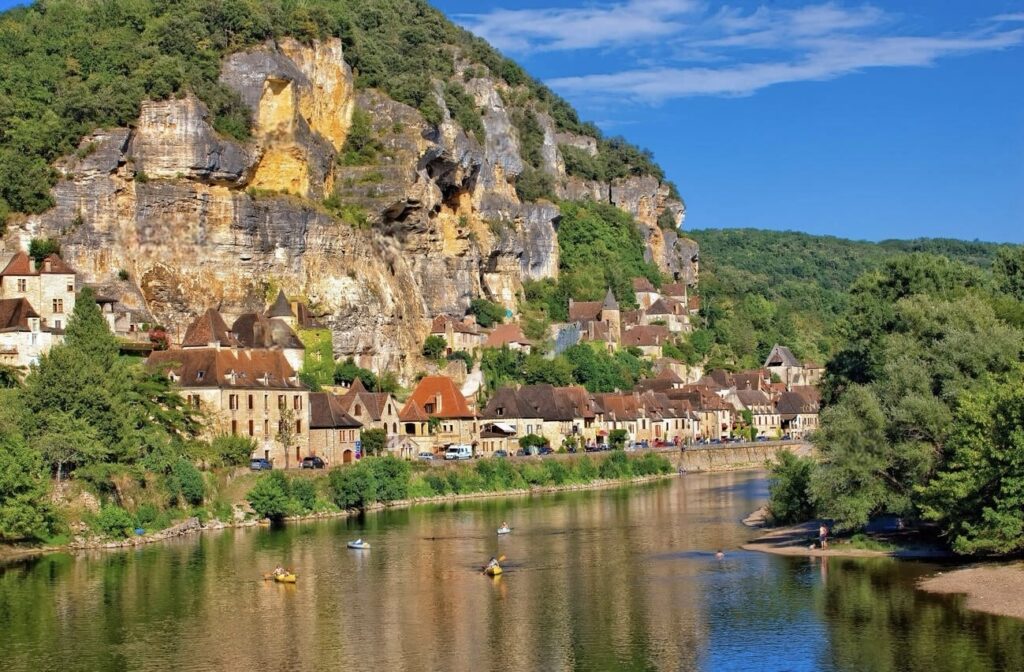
886	120
891	120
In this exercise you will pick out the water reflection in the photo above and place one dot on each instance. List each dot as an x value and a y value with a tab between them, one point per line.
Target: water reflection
611	580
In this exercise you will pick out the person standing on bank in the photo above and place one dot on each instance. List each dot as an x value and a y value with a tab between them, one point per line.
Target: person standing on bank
823	536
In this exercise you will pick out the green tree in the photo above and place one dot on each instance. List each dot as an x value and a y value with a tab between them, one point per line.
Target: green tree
1008	271
434	346
488	313
978	494
374	441
617	438
24	509
230	450
789	494
270	497
539	370
353	487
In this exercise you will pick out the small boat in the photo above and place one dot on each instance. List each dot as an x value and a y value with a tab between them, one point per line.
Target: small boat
493	571
359	545
287	577
504	530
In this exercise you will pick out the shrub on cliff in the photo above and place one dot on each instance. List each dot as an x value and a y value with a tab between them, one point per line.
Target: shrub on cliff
185	483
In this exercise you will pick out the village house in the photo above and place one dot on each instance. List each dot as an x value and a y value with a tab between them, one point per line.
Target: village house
670	313
553	413
253	393
445	407
23	339
374	410
781	362
459	335
648	339
333	433
646	294
262	332
714	414
598	321
765	417
49	286
506	418
510	336
125	323
798	413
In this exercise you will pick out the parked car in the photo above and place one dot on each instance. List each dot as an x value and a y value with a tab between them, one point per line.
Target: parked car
546	450
425	456
260	464
462	452
500	453
313	462
593	448
762	438
786	437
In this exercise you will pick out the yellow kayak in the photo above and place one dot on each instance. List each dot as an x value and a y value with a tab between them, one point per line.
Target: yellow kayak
493	571
286	578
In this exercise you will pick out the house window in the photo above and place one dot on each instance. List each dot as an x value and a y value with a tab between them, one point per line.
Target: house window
500	412
252	402
410	428
298	426
266	402
358	410
234	427
252	429
71	288
58	306
394	428
282	402
233	402
200	374
297	403
22	285
266	428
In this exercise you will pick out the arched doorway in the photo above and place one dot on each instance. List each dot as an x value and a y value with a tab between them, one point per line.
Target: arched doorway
346	457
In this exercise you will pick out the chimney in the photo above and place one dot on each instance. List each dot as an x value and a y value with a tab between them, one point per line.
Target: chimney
47	265
32	264
469	320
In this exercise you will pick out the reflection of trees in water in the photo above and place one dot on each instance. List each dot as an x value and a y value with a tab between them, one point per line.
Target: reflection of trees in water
876	622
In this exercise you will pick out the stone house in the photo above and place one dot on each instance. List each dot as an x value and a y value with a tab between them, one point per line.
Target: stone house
670	313
442	402
766	419
510	336
598	321
714	414
256	331
798	413
649	339
333	433
374	410
49	286
624	411
253	393
646	294
791	371
23	339
507	418
459	335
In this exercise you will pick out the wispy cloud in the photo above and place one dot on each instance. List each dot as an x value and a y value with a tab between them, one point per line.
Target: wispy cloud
728	51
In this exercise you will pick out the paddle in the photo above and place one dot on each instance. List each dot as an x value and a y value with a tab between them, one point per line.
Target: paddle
500	559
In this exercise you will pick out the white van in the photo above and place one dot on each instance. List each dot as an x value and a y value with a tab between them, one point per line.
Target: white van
458	453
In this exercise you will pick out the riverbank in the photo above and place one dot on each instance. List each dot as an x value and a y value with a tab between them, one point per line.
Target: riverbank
992	589
802	540
10	553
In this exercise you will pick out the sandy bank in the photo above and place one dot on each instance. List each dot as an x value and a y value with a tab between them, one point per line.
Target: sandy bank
993	589
801	540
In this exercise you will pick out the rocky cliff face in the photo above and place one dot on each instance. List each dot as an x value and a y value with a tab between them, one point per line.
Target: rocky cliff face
433	222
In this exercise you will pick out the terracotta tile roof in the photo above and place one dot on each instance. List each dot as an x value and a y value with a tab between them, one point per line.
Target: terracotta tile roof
506	334
548	403
325	412
584	311
643	285
673	289
693	303
631	318
374	402
753	398
660	307
54	265
791	404
670	375
583	404
751	380
14	315
441	322
647	335
808	391
413	412
208	328
619	407
253	330
20	264
440	398
226	368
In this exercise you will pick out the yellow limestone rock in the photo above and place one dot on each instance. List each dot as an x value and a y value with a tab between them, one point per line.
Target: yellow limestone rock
328	104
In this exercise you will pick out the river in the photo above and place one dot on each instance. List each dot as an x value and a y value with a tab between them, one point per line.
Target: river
622	579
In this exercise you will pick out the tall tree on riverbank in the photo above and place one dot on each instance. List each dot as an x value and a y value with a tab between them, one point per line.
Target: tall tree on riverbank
24	508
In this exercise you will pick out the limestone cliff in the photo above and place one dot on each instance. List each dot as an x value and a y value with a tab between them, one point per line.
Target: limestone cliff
433	222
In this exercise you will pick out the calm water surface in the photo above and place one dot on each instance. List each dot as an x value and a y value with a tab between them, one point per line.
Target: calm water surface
606	580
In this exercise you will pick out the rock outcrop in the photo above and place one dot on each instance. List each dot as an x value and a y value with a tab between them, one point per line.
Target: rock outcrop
432	222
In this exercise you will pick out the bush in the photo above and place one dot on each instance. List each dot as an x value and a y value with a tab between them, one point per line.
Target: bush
438	484
617	465
534	184
650	464
40	248
303	494
146	515
185	483
113	521
617	438
353	487
531	440
488	313
434	346
586	470
788	480
557	472
534	473
229	451
373	441
270	496
392	476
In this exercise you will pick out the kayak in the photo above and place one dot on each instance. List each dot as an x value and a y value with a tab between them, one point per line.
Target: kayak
504	530
359	545
286	578
492	571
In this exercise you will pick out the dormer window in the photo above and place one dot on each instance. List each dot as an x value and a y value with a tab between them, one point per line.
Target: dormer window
200	375
22	285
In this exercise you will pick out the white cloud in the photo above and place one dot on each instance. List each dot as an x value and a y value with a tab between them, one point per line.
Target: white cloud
727	51
559	29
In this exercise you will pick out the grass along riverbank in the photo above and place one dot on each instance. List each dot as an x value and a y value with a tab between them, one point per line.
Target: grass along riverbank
374	483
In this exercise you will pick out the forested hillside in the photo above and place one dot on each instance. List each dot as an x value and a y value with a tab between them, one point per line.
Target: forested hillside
760	287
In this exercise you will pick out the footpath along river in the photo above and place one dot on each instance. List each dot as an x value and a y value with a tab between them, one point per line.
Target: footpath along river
622	579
